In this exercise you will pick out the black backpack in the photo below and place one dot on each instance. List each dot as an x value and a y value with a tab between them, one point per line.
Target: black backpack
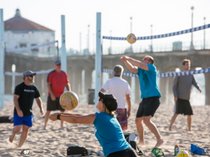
76	151
131	138
6	119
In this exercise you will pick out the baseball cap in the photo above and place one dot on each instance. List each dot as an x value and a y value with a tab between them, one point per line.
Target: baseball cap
108	100
28	73
57	61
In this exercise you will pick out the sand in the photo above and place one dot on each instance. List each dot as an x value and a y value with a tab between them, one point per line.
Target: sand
53	142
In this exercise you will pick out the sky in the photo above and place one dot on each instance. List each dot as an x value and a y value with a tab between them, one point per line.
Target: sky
164	15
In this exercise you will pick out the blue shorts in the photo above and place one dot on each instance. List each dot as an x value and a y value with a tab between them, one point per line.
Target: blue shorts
25	120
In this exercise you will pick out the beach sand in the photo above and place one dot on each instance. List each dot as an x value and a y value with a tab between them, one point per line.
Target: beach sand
53	142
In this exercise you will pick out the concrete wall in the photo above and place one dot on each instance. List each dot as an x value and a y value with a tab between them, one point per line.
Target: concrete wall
165	61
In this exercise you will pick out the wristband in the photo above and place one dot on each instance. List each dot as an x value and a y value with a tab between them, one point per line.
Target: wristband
59	116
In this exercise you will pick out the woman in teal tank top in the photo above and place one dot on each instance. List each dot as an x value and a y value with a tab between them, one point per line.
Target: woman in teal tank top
108	130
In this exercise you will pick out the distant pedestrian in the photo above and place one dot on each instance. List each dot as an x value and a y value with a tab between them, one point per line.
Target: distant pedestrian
24	95
120	89
57	81
182	90
147	74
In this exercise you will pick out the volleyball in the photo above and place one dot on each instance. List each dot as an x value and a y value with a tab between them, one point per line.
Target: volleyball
183	153
131	38
69	100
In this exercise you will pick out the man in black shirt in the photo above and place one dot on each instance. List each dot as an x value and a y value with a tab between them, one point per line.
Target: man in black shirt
24	96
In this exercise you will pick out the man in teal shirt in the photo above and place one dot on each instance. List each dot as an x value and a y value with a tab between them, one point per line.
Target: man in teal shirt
147	74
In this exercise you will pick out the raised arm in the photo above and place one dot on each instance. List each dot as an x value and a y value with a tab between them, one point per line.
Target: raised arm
132	68
133	64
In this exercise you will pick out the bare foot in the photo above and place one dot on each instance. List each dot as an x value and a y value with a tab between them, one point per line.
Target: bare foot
10	139
170	128
159	143
141	142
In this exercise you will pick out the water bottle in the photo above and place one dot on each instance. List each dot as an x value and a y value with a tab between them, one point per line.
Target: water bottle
176	149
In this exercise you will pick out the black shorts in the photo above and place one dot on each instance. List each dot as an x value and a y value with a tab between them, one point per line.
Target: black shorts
53	105
183	107
124	153
148	107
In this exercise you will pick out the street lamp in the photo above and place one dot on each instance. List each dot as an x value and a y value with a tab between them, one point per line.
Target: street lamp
131	30
204	34
151	46
191	43
80	42
57	48
88	39
110	47
131	24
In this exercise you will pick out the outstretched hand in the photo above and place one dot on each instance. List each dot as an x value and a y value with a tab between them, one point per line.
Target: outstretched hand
53	116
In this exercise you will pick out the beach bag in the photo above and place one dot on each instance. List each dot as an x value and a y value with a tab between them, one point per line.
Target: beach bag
76	151
6	119
158	152
131	138
195	149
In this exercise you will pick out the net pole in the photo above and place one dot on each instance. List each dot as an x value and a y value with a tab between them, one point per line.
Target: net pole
98	73
2	55
63	45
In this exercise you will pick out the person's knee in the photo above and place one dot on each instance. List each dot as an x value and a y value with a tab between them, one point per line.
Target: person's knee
146	120
138	121
25	129
16	129
189	117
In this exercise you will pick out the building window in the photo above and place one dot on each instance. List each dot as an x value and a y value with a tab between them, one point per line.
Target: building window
22	45
34	48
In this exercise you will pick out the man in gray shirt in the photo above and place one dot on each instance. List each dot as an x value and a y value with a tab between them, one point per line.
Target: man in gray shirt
182	90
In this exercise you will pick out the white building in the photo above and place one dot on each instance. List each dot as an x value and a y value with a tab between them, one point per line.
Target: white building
27	37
